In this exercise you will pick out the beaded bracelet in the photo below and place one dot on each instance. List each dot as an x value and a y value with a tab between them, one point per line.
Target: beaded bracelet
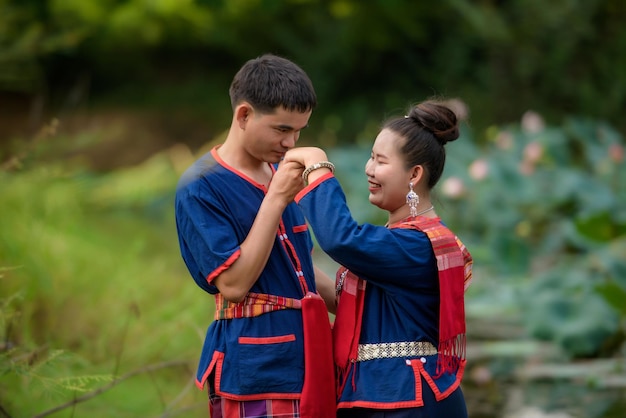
321	164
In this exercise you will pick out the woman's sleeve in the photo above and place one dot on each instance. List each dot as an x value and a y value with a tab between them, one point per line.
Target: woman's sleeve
371	251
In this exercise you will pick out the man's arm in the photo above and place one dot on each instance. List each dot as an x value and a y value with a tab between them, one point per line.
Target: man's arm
235	282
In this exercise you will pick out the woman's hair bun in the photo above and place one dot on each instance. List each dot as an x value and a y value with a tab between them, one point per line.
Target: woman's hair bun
438	119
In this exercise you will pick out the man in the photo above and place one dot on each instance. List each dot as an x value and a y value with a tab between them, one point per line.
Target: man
245	242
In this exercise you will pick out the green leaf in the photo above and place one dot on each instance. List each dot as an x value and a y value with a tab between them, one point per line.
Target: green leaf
599	227
614	295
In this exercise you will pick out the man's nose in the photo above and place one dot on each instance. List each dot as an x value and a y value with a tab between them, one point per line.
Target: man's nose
290	140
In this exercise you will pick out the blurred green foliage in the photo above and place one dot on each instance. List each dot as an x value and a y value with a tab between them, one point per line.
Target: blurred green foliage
366	58
91	282
94	292
545	206
95	295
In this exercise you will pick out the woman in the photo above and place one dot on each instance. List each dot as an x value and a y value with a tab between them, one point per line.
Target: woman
399	332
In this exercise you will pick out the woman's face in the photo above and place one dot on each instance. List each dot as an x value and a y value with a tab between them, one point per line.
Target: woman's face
387	175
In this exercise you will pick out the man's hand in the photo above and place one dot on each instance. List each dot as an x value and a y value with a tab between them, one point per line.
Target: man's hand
286	182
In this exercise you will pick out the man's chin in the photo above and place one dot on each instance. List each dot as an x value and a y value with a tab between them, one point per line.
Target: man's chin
274	158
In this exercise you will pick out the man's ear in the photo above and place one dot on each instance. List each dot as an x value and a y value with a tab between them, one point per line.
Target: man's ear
242	113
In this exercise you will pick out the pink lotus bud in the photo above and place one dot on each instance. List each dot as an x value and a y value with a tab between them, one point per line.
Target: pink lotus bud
533	152
532	122
616	153
453	187
504	140
479	169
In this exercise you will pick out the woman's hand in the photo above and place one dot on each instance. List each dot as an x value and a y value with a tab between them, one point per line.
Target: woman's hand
305	156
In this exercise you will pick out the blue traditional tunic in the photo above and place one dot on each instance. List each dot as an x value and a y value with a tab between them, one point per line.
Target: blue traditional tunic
400	322
252	357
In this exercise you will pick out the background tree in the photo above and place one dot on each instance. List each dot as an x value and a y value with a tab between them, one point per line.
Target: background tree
366	58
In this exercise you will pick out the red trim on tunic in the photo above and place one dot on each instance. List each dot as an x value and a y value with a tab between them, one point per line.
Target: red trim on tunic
229	262
218	359
217	364
311	186
300	228
380	405
419	370
267	340
438	394
223	163
258	396
293	256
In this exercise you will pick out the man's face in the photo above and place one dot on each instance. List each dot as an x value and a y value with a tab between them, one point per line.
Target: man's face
269	136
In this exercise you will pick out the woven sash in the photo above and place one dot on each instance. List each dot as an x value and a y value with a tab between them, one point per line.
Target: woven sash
317	399
254	304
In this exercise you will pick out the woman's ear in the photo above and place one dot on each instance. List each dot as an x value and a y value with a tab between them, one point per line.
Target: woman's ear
417	174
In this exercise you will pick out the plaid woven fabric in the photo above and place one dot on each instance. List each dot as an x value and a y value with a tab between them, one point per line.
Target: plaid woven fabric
254	304
446	247
468	262
271	408
453	262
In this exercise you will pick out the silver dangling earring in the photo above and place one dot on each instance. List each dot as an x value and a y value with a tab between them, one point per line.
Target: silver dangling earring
412	199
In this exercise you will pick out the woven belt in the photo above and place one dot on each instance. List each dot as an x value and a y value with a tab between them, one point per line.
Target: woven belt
399	349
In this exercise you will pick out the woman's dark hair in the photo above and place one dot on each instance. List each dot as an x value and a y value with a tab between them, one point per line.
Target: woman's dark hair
427	128
269	81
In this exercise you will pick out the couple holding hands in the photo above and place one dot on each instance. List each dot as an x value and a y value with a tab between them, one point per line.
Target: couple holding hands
246	212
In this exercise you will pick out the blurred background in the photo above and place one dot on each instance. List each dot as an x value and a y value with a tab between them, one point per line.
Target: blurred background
103	104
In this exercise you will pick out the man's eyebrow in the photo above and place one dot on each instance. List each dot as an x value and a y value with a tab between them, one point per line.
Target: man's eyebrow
289	127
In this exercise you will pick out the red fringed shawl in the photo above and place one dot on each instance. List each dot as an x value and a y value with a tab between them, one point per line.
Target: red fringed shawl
454	263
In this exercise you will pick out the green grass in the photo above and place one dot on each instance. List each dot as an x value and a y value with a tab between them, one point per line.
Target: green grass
93	288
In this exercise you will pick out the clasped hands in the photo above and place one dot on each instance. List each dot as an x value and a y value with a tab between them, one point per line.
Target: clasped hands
287	181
